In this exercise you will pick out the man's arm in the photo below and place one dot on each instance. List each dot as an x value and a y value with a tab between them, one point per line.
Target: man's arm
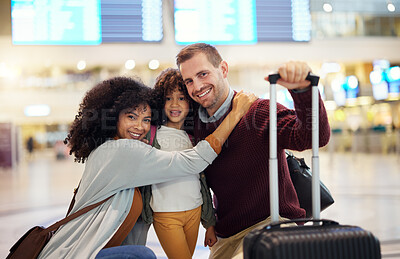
294	127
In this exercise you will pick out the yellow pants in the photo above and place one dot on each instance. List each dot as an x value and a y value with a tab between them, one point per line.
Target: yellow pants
177	232
232	247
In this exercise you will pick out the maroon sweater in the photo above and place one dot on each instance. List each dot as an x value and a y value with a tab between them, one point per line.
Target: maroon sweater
239	176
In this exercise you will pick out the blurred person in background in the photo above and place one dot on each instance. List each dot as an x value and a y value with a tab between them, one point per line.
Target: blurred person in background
30	146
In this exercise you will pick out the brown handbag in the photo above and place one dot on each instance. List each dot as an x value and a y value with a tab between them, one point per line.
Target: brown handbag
32	242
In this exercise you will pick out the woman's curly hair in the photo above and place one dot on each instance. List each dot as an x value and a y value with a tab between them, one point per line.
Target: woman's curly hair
168	81
96	121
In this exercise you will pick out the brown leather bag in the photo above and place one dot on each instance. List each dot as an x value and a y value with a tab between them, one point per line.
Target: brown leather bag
32	242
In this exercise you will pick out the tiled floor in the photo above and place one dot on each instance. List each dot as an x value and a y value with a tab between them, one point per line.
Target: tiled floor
366	188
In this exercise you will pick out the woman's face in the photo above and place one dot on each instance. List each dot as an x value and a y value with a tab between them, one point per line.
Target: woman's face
134	123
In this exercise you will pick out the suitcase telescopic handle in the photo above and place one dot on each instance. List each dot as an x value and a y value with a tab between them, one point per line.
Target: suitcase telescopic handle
273	78
325	222
273	159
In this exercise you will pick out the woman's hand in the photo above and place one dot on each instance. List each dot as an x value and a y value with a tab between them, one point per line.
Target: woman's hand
242	103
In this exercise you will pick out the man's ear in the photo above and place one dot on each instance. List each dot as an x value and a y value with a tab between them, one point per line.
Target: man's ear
224	68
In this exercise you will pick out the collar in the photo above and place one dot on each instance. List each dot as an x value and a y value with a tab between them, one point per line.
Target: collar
203	115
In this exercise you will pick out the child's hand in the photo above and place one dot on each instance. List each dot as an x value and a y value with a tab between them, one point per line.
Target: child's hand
242	102
210	238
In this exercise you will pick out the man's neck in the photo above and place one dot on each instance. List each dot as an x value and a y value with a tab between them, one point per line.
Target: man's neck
212	110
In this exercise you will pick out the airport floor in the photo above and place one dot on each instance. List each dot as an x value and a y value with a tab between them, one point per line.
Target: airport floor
366	188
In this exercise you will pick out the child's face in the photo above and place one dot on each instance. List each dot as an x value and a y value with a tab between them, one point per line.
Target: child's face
176	107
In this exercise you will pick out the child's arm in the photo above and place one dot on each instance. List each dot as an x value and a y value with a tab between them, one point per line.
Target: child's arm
210	238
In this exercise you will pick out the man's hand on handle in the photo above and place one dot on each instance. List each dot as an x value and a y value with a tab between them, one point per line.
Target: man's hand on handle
293	75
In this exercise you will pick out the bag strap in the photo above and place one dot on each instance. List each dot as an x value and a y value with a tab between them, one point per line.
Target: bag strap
73	216
191	137
71	205
153	130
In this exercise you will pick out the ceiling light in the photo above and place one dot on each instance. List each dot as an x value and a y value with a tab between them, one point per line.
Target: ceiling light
391	7
81	65
130	64
376	77
37	110
154	64
352	82
327	7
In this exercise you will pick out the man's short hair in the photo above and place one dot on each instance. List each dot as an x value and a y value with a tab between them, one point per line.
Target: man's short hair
189	51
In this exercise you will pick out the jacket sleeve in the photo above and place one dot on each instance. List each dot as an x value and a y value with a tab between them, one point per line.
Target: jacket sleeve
207	210
147	212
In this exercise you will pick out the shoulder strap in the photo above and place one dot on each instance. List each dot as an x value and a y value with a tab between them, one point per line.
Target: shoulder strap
73	216
71	205
191	137
153	130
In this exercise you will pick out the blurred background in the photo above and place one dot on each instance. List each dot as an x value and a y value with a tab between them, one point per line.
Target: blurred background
52	52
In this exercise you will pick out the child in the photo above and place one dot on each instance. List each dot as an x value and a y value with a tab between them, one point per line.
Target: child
177	205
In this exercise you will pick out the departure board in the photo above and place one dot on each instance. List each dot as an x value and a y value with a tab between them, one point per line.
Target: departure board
215	22
241	21
56	22
85	22
131	21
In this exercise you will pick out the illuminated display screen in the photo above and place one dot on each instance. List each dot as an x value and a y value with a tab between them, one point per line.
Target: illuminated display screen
380	89
393	79
241	21
283	20
215	22
131	21
85	22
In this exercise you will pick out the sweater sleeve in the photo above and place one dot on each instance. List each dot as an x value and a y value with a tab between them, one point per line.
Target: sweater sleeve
294	127
303	112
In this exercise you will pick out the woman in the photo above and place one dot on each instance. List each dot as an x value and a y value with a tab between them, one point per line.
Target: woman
106	134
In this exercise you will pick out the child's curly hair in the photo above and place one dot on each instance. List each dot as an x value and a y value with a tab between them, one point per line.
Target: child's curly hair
168	81
96	121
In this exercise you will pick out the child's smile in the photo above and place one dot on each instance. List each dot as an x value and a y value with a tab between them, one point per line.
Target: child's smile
176	108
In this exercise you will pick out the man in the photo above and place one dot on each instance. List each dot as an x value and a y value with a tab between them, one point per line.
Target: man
239	176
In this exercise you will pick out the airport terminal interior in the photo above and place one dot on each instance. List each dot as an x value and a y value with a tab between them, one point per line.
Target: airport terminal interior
353	46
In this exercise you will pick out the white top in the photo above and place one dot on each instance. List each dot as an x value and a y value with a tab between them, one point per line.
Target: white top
180	194
117	167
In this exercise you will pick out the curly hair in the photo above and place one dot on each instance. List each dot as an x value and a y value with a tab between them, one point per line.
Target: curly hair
168	81
96	121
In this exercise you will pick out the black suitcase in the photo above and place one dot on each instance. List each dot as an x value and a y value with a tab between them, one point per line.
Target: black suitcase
324	239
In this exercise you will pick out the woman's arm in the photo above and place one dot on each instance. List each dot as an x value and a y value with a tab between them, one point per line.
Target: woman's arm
240	105
121	164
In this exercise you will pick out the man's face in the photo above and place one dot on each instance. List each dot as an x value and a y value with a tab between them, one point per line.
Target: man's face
205	83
